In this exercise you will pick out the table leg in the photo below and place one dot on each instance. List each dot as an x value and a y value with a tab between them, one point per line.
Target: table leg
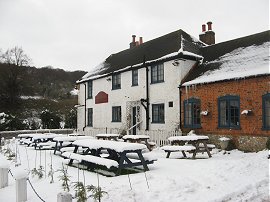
75	151
196	149
168	154
184	154
206	148
55	148
142	160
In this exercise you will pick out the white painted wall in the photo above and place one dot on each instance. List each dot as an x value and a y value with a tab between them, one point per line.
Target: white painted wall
158	93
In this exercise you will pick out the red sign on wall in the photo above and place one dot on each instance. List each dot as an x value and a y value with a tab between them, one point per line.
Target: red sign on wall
101	97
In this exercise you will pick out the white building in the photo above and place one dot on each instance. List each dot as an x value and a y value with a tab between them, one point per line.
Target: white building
137	89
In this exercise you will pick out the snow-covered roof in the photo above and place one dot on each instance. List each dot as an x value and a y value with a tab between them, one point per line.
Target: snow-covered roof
240	58
174	45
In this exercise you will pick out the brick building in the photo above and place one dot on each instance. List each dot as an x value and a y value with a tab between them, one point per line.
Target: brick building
229	93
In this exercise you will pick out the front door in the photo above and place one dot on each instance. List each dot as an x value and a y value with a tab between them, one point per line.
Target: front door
134	120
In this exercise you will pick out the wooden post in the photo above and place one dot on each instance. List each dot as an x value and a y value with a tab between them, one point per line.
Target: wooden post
21	186
3	177
64	197
21	190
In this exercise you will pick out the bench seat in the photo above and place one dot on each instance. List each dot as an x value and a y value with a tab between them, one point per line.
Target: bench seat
176	148
148	157
92	159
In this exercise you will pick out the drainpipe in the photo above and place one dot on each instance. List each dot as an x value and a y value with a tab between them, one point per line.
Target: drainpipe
180	106
147	97
84	106
145	102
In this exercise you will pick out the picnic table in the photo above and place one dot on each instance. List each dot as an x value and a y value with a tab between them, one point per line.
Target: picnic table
38	140
138	139
66	141
107	136
120	155
190	143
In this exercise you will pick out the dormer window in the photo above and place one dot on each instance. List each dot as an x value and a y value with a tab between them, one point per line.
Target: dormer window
157	73
116	81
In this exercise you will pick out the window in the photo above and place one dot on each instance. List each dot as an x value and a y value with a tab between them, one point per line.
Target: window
90	89
116	81
229	112
158	113
157	73
134	77
192	110
90	117
116	114
266	111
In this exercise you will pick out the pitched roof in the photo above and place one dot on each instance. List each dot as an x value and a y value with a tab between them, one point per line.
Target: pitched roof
175	44
239	58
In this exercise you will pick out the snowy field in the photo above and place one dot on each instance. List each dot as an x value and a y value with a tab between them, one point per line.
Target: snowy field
234	176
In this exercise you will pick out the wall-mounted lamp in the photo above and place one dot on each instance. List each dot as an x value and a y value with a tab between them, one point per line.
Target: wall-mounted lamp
175	63
109	79
246	111
204	113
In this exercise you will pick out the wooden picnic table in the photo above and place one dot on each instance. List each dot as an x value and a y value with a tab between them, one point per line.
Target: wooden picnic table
138	139
119	154
198	142
42	138
67	141
107	136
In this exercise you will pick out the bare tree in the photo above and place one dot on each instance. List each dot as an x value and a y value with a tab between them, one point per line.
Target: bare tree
14	58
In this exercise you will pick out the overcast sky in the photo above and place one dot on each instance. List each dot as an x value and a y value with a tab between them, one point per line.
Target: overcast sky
80	34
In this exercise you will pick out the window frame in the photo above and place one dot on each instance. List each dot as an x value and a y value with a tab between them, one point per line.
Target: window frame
134	77
90	117
157	69
90	89
193	124
160	117
116	81
228	99
264	98
116	114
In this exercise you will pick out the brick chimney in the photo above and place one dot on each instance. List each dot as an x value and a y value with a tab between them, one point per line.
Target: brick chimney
208	36
133	43
141	41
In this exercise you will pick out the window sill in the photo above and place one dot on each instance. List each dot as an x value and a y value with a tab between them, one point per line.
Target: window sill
157	82
157	122
229	128
266	129
116	88
197	127
134	85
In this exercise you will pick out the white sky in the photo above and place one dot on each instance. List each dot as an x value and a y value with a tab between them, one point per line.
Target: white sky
80	34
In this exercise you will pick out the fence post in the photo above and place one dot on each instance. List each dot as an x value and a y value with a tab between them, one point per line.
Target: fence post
3	177
64	197
21	185
4	167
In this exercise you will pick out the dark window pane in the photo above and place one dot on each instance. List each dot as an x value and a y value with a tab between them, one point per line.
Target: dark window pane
90	117
116	114
90	89
158	114
192	110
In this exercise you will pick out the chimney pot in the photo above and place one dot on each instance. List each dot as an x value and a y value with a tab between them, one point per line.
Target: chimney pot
141	40
133	38
203	28
209	26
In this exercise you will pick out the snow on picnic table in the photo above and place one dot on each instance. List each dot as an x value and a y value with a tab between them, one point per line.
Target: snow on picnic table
117	146
188	138
234	176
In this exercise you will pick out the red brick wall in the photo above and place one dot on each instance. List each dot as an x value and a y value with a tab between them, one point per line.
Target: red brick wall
250	91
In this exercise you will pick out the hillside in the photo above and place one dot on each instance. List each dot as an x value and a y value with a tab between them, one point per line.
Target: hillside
27	91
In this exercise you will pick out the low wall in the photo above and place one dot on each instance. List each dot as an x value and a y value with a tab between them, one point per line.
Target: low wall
243	143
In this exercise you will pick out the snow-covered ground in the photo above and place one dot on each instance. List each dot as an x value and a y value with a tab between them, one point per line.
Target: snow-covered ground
234	176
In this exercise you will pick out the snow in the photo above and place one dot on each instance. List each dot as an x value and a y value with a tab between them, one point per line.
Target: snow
135	137
232	176
19	173
224	139
188	138
71	138
74	92
117	146
107	135
240	63
246	111
24	97
178	148
94	74
3	162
